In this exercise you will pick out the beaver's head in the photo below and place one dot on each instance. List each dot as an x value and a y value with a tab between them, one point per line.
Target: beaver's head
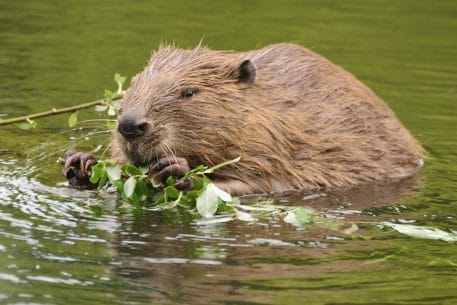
188	103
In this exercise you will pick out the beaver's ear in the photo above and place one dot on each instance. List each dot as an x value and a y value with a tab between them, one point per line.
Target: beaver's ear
246	72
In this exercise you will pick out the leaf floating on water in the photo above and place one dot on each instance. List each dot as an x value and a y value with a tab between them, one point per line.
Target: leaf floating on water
290	218
302	216
243	216
422	232
298	216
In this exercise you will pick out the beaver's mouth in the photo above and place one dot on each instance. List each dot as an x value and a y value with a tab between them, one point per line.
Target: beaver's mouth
142	153
150	148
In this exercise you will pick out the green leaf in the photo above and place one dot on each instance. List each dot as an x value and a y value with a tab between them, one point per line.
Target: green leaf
207	202
113	172
223	207
129	187
298	216
141	190
120	80
101	108
131	170
192	195
111	111
109	94
302	216
206	181
97	171
103	180
223	195
171	192
193	172
30	124
119	185
116	104
73	119
170	180
24	126
198	183
216	167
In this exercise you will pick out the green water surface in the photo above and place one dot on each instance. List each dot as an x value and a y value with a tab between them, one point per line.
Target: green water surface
60	246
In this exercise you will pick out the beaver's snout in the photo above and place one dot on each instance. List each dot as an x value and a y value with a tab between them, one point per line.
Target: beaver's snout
130	126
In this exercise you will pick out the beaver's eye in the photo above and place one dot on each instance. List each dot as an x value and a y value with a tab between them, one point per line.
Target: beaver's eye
189	93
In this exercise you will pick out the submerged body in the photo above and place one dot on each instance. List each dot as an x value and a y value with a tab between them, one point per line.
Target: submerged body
296	120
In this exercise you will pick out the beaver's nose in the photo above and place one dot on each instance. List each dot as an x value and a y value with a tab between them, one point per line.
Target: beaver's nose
130	126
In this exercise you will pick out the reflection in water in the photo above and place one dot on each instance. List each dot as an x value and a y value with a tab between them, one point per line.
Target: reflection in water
165	256
181	260
42	238
58	237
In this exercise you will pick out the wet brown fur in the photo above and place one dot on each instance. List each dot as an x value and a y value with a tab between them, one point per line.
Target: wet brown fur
304	122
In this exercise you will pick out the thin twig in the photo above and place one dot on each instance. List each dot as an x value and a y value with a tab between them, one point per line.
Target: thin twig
55	111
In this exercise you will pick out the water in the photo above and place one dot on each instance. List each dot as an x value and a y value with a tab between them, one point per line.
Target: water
60	246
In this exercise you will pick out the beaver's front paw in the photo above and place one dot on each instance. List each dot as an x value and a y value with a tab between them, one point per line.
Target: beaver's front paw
77	169
172	166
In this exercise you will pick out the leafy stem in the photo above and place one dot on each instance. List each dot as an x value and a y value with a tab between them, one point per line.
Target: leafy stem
109	104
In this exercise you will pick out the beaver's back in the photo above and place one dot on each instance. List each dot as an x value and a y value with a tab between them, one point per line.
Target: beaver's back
334	105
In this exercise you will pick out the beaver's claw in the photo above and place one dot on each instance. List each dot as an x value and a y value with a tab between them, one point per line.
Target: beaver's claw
172	166
77	169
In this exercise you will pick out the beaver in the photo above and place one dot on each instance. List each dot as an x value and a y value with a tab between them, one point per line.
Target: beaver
297	121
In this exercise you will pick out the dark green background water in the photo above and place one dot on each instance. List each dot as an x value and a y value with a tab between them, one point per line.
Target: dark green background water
58	246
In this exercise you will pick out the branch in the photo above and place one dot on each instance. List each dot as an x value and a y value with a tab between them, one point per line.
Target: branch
55	111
